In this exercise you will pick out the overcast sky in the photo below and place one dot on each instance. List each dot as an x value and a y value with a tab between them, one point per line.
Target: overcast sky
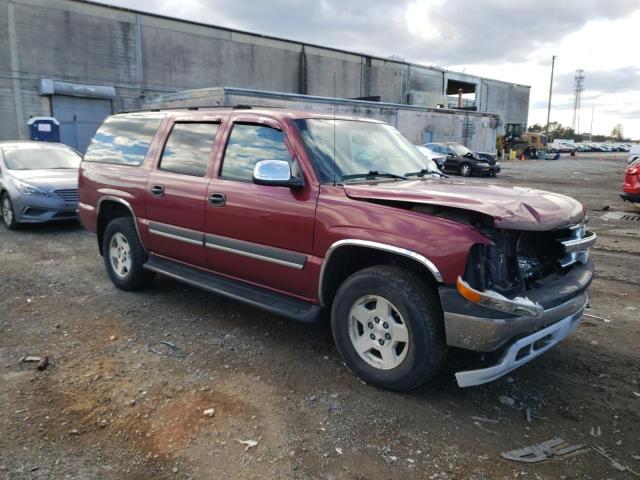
511	40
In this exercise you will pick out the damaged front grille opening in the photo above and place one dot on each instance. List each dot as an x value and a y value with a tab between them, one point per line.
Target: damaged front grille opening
518	261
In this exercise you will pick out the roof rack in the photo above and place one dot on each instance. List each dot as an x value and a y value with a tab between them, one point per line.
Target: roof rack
204	107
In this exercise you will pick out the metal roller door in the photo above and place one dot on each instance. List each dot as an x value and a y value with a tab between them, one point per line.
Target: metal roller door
79	118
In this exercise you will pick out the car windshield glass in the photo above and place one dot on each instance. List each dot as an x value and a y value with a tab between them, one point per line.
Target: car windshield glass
459	150
361	148
36	158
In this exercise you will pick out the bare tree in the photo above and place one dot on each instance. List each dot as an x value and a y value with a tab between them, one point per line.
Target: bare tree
618	132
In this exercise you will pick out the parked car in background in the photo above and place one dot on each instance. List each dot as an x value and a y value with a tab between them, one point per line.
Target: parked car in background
297	213
436	160
634	153
463	161
489	157
549	154
631	185
38	182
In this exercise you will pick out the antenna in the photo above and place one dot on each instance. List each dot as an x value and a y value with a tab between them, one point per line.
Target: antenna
334	128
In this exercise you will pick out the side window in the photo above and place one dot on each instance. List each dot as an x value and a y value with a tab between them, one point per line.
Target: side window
188	148
249	144
123	139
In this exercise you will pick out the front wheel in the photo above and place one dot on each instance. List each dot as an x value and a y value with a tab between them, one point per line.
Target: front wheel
8	216
465	170
124	255
387	325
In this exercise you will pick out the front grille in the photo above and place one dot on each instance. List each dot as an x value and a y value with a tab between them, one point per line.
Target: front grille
68	195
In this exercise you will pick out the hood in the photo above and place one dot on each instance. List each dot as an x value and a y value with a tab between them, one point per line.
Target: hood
48	179
513	208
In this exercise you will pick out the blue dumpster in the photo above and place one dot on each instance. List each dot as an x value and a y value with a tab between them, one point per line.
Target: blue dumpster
44	129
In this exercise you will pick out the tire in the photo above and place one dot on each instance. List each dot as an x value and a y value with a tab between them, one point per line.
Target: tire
124	255
8	215
412	303
465	169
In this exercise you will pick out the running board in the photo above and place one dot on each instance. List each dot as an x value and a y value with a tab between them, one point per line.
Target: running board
273	302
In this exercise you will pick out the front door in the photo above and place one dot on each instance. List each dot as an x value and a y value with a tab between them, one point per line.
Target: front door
256	233
176	192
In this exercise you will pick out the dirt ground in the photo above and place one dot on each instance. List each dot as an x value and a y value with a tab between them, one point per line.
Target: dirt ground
115	403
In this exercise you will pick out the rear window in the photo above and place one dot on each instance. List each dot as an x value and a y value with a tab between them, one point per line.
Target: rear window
123	140
188	148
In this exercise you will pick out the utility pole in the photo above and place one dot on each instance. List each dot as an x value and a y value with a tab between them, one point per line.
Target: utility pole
593	107
553	62
577	97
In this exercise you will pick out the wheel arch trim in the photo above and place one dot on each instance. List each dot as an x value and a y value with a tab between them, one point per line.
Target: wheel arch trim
349	242
115	199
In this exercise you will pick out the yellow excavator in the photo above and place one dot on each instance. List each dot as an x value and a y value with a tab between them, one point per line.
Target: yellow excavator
517	141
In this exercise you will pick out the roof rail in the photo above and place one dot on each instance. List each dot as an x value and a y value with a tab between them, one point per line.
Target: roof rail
204	107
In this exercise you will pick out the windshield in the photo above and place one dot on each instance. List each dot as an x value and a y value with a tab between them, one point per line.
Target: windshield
459	150
37	158
360	147
431	164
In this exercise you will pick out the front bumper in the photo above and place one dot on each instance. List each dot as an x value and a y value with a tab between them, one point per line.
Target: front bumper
35	209
630	197
490	170
523	351
475	327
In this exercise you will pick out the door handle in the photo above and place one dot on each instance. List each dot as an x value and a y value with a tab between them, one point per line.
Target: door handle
217	199
157	190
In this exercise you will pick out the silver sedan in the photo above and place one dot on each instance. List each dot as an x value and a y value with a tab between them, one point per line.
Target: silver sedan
38	182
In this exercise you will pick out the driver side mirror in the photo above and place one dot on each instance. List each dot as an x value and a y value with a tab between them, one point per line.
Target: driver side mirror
275	173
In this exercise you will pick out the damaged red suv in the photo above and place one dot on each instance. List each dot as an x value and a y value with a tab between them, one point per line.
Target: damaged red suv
300	213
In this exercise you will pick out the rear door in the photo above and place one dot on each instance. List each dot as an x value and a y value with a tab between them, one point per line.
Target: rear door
176	190
256	233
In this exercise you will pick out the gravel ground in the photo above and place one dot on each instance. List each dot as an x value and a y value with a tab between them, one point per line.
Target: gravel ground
116	403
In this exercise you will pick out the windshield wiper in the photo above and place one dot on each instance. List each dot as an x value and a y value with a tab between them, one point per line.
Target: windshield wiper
424	172
372	175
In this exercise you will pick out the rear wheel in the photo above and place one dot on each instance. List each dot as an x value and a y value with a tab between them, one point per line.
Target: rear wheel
124	255
465	170
8	216
387	325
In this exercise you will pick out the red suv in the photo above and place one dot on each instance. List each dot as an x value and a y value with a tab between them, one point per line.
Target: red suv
631	186
300	213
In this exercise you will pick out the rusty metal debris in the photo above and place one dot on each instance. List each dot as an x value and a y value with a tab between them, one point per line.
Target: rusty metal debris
541	451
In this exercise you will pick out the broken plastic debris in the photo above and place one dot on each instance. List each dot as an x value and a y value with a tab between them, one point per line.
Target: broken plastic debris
248	443
339	450
209	412
31	358
541	451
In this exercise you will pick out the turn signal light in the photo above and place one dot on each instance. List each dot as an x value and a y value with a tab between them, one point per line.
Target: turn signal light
467	292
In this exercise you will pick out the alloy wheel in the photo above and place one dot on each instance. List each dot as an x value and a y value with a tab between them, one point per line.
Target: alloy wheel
378	332
120	255
7	212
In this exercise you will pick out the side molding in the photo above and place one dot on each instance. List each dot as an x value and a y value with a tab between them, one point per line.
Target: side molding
377	246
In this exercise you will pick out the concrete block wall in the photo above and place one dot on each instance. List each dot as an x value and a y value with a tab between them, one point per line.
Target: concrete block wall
412	121
142	55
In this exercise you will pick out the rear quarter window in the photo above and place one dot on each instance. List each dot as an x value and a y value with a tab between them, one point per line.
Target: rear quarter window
123	140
